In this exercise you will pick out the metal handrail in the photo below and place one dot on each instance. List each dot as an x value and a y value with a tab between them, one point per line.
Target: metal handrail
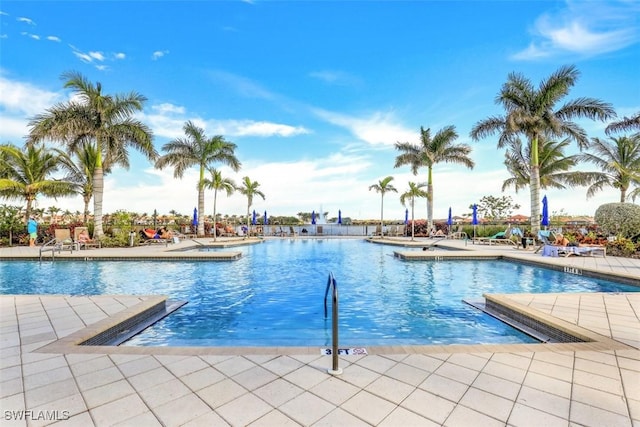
331	283
47	247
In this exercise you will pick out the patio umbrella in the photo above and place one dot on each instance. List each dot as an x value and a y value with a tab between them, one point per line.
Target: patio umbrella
313	217
194	222
266	218
253	218
474	220
545	212
406	216
339	216
449	219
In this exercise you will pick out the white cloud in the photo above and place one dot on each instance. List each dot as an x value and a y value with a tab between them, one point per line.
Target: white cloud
25	20
167	120
159	54
19	102
377	129
583	28
99	56
33	36
335	77
53	38
119	55
23	98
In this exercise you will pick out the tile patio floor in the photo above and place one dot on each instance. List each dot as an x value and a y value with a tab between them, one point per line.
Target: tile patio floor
515	385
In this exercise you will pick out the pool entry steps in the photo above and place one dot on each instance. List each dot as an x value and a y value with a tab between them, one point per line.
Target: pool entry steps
121	332
527	323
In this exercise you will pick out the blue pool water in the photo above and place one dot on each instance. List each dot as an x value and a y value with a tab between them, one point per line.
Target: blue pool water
274	294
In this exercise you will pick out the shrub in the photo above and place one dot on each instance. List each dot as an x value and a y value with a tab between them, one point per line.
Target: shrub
624	248
619	219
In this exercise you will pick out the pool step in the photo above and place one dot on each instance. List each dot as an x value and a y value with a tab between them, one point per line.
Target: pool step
123	331
542	332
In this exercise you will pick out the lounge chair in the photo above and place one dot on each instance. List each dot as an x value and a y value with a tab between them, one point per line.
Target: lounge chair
458	234
151	237
63	240
292	232
399	231
546	238
92	243
500	237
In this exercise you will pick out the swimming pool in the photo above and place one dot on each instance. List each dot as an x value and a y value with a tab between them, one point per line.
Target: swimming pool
274	294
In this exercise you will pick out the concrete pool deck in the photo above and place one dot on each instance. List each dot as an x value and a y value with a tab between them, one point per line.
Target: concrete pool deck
587	384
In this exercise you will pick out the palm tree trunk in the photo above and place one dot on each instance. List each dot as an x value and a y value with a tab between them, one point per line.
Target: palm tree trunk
87	200
623	194
430	199
247	233
98	193
382	215
201	204
534	184
413	222
215	231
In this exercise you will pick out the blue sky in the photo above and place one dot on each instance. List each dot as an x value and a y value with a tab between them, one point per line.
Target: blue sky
315	94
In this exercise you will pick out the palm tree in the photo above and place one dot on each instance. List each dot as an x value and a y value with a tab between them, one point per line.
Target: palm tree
383	186
93	117
554	166
81	168
250	190
620	162
431	151
532	112
217	182
198	150
415	191
627	124
26	174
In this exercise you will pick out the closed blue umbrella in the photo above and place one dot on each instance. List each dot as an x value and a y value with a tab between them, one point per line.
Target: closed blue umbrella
313	217
450	218
253	218
339	216
266	218
406	216
545	212
474	220
194	222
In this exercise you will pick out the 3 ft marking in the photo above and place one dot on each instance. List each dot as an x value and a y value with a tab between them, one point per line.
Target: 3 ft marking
344	351
573	270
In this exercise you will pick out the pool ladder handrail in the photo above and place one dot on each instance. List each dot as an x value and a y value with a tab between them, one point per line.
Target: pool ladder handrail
49	246
331	283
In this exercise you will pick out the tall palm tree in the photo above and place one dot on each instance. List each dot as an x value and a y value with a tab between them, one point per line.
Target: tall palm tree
195	149
93	117
250	190
383	186
218	182
27	173
415	191
554	166
81	167
533	113
626	124
619	161
431	151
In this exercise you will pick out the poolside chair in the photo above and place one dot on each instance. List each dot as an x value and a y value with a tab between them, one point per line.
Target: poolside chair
63	240
400	231
458	234
93	243
499	237
292	232
150	237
